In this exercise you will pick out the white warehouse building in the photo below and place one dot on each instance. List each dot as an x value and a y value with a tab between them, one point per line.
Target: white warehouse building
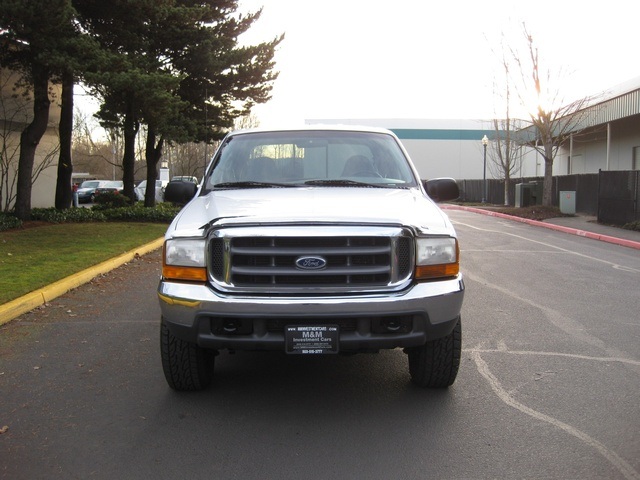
440	148
608	139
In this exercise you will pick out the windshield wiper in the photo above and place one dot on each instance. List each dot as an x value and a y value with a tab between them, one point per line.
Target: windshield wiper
251	184
342	183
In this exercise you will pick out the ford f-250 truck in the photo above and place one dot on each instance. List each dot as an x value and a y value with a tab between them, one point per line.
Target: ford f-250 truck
311	241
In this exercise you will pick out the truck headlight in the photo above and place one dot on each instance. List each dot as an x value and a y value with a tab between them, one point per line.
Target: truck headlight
185	259
437	257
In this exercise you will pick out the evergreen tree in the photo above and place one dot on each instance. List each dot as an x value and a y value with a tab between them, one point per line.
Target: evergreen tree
43	43
35	38
176	67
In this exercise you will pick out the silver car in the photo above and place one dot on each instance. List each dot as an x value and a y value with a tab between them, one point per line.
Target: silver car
141	189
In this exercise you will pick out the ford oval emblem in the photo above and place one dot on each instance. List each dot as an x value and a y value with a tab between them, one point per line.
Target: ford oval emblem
311	263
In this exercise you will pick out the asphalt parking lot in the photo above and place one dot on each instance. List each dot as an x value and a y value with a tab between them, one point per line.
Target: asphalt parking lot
547	387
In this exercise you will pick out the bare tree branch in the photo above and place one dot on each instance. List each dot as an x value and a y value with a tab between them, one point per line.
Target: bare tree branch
552	120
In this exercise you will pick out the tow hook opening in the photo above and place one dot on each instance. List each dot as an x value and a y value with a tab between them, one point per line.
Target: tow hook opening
231	326
400	324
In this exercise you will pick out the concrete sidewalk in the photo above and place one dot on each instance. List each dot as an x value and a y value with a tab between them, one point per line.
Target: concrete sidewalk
581	225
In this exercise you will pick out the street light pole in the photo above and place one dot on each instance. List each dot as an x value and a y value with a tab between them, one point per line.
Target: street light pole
485	142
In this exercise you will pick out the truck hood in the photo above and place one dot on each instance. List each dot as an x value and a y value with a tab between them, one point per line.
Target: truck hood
311	205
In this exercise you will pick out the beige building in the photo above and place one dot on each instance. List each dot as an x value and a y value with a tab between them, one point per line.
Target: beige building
16	112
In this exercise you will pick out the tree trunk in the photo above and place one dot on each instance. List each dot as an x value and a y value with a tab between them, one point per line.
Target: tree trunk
29	140
507	182
547	185
131	126
65	167
153	153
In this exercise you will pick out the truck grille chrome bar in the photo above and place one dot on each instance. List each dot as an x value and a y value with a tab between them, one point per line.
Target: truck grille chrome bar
334	259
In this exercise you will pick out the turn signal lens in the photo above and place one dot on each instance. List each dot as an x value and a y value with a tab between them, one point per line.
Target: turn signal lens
437	271
193	274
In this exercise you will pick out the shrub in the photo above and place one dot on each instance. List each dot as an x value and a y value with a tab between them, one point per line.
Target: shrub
75	215
633	226
8	221
161	213
109	200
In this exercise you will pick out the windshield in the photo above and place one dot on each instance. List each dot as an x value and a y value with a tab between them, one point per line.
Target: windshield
90	184
318	158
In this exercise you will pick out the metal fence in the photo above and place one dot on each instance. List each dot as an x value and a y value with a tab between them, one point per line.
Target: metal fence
614	197
619	197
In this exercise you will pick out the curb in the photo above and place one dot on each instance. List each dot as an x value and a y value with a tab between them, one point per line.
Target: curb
28	302
573	231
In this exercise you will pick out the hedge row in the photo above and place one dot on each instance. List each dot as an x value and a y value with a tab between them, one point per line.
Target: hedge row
162	213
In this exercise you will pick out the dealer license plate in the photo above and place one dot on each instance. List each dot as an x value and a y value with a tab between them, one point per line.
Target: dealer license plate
311	339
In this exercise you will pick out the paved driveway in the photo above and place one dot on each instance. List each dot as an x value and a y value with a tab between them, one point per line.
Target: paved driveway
548	383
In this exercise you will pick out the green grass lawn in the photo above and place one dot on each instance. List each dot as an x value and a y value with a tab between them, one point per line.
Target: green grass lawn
33	257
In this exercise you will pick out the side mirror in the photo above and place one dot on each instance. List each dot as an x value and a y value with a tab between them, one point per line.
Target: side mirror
180	192
442	189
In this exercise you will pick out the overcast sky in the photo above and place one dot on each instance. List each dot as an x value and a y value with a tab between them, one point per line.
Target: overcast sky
349	59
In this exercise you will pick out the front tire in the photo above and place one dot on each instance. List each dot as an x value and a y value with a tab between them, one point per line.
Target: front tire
435	364
187	367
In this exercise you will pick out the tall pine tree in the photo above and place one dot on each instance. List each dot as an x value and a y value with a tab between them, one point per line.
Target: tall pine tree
176	66
35	38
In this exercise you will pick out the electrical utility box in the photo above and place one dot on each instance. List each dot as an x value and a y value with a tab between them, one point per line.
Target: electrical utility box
528	194
568	202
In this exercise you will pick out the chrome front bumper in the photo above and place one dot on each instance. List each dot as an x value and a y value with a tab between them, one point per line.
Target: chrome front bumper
189	310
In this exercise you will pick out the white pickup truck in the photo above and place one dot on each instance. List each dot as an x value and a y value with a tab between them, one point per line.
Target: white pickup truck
311	241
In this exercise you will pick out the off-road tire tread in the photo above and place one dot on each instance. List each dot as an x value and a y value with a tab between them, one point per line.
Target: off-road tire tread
435	364
187	367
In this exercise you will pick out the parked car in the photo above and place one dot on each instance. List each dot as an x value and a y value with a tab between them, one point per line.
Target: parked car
114	186
86	192
141	189
330	244
184	178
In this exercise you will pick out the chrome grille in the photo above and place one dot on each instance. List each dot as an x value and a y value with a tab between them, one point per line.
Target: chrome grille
351	259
